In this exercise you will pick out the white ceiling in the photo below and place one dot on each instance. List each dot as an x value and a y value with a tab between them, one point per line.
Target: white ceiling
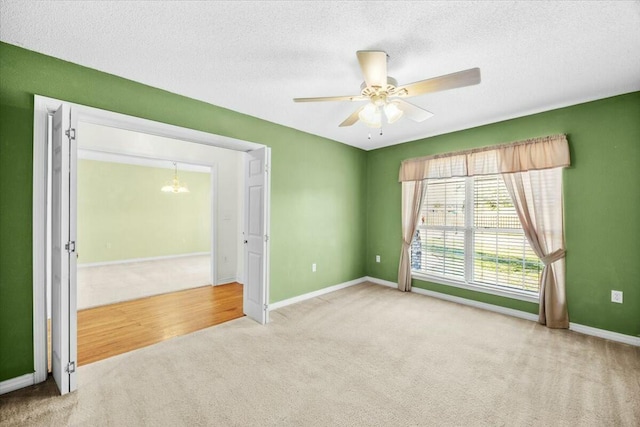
254	57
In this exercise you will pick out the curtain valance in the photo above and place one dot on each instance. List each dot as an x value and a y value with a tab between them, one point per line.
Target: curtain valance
521	156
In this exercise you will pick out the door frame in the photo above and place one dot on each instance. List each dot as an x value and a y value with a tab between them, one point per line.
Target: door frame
43	108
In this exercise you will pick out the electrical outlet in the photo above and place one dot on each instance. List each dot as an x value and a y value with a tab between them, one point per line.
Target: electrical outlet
616	296
313	267
377	258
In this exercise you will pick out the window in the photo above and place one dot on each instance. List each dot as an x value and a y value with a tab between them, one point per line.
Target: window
469	234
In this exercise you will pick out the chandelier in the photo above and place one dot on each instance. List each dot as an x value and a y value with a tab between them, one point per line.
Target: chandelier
174	186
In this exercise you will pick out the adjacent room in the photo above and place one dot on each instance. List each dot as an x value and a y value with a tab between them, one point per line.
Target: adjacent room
139	239
149	232
424	213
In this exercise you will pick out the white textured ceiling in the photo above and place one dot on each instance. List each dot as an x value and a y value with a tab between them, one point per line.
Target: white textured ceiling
254	57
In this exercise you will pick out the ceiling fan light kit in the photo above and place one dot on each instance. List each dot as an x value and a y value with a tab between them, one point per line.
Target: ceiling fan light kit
384	95
393	112
372	116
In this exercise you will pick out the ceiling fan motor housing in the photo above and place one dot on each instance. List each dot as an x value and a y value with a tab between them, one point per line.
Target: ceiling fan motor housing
377	94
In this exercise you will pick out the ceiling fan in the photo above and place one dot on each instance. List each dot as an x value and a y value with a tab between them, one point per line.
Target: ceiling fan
384	94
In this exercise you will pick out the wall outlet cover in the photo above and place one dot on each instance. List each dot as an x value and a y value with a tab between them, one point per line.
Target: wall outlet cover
616	296
377	258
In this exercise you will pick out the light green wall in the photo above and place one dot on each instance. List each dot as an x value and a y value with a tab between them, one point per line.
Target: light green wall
122	214
317	185
602	206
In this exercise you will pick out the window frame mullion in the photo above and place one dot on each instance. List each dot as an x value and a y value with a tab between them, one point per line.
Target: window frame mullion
468	230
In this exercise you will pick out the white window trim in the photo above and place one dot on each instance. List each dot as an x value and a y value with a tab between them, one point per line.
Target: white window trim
476	287
502	291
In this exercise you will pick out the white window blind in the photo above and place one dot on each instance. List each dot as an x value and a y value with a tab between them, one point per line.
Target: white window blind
469	233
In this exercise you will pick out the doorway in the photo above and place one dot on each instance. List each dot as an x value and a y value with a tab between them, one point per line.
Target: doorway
68	120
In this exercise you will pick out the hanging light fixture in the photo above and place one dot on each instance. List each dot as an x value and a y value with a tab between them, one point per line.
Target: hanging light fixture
174	186
392	112
371	114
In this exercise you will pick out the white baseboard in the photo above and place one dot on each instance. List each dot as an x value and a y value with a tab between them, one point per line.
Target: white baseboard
603	333
483	305
16	383
289	301
132	260
226	280
587	330
381	282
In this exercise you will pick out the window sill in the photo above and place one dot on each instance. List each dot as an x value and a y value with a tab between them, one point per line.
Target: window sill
487	289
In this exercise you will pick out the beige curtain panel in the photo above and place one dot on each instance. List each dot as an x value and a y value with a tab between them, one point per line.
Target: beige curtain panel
532	172
412	195
533	154
537	197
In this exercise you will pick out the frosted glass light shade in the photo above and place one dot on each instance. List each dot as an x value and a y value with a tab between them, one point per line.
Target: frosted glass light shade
371	116
392	112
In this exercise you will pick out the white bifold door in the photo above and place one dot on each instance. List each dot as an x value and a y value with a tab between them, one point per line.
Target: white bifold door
63	251
256	235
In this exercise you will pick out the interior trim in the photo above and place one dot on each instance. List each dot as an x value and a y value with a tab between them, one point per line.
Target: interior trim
303	297
488	289
603	333
16	383
131	260
576	327
103	156
43	107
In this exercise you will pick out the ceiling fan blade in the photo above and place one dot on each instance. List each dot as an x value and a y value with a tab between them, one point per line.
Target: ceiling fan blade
374	67
449	81
332	98
413	112
352	118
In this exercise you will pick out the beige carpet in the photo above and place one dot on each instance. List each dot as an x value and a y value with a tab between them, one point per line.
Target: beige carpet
363	356
109	284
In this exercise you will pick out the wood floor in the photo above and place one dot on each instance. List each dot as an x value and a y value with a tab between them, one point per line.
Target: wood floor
118	328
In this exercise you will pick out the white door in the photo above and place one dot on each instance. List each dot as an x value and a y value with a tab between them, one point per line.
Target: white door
63	257
256	244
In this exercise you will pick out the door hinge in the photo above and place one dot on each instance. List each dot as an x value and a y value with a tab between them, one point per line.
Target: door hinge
71	133
266	237
266	307
266	167
71	367
70	247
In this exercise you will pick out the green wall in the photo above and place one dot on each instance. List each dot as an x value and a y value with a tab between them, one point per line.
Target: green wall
602	206
318	186
329	201
122	214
